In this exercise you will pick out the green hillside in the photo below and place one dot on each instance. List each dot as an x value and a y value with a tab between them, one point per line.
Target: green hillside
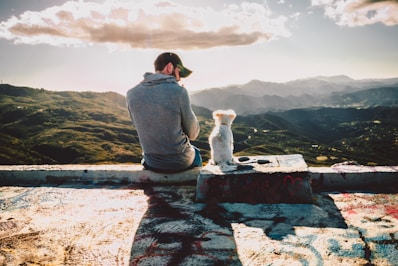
330	135
45	127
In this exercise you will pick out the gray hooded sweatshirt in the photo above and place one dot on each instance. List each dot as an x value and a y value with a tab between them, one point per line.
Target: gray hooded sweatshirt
161	112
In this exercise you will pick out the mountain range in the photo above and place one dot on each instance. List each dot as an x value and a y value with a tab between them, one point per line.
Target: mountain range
258	97
358	123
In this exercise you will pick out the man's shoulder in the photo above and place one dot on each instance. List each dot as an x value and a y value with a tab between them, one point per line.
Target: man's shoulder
134	89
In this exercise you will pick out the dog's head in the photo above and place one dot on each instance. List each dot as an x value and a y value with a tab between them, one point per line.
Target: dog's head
224	117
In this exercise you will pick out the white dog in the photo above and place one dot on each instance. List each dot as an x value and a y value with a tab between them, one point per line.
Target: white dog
221	138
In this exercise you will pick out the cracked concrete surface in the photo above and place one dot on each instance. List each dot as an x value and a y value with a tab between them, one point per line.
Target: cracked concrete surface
76	224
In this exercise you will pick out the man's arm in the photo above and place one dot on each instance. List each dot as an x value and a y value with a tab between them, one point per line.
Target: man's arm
190	123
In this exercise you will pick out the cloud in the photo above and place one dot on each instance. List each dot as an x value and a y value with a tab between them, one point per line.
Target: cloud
354	13
145	24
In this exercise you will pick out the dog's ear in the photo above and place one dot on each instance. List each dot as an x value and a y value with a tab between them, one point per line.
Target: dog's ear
217	113
231	114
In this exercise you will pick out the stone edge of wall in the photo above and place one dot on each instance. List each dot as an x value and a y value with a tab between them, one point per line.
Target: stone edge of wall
346	176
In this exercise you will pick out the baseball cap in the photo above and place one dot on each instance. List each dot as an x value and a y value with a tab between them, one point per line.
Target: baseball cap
163	59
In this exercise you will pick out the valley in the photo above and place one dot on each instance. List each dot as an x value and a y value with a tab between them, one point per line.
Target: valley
46	127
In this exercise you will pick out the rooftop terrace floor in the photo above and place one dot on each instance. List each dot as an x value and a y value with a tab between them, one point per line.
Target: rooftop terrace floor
141	224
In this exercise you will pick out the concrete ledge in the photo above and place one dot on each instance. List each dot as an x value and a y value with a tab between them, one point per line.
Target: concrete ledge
322	178
94	174
343	176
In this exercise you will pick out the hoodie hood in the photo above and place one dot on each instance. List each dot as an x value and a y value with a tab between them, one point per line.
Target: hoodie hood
155	78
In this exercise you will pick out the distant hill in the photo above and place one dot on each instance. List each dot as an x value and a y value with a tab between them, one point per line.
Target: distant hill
382	96
44	127
368	136
258	97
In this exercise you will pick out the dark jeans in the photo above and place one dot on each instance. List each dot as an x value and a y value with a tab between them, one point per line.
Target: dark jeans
197	162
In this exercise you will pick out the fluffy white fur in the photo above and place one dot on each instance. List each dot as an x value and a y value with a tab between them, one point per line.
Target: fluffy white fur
221	138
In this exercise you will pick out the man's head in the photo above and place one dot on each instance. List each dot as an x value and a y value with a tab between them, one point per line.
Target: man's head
165	61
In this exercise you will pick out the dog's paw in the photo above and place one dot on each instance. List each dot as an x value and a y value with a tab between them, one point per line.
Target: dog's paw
226	167
212	162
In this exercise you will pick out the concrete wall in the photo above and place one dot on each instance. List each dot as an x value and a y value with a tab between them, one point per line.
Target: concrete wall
323	178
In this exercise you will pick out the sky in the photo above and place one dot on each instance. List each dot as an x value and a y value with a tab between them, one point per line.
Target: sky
107	45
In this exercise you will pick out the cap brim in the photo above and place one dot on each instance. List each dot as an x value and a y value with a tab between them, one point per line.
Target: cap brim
184	72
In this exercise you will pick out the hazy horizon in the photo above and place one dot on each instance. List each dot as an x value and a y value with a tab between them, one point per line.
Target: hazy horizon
218	87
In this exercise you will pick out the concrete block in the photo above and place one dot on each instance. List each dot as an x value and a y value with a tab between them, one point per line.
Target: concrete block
259	179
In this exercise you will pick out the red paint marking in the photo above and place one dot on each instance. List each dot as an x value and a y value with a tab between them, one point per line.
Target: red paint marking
351	212
392	210
346	195
297	183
